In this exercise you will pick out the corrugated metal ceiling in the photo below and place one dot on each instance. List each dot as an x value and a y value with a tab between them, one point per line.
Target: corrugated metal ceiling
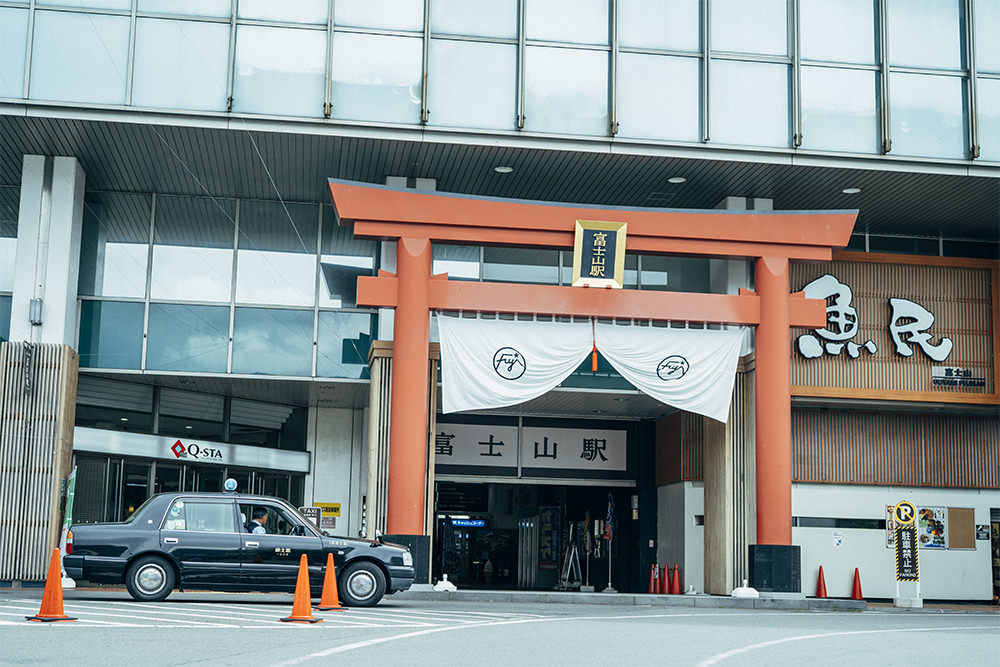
198	161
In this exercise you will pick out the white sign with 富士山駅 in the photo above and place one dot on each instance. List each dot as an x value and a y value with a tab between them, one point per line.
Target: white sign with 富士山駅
918	328
574	448
475	445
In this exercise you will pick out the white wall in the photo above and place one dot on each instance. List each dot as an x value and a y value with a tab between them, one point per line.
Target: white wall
944	574
339	467
679	540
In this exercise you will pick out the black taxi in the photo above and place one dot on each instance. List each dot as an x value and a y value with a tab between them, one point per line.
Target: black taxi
229	542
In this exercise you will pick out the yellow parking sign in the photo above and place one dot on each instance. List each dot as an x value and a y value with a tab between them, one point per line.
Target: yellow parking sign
904	512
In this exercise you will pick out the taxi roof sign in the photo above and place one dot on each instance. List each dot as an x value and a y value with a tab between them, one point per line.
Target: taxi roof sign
904	512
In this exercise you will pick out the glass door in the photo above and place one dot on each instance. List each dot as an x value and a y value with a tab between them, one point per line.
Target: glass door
135	487
167	478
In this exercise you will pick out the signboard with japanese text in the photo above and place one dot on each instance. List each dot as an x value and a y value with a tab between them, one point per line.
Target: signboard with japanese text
582	449
904	516
536	448
599	254
479	445
549	530
918	328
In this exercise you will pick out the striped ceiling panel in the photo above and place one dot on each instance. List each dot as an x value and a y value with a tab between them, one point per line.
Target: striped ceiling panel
239	162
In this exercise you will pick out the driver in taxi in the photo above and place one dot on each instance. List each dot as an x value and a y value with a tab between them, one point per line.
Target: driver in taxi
259	519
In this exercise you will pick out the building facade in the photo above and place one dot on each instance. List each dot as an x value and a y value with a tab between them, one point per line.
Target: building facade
165	223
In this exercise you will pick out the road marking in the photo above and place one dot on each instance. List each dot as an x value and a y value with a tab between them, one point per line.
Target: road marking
719	657
518	621
77	608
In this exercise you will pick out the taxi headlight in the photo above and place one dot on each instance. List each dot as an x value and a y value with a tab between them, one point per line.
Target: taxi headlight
407	559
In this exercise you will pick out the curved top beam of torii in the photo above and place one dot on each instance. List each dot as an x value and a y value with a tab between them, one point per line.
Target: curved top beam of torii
399	213
388	213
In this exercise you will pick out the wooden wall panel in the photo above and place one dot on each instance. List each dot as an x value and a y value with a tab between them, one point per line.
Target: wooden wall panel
961	294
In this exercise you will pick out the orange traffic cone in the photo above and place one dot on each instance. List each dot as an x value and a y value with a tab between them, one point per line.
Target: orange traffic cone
52	605
654	578
301	606
329	600
856	590
821	584
675	583
664	579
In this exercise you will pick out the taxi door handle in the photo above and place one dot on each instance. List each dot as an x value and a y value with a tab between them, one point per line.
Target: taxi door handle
170	540
253	544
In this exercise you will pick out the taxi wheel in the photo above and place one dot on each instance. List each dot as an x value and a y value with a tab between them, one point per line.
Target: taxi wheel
149	579
362	585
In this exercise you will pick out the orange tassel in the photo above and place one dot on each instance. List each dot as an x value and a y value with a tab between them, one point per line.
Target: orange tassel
593	360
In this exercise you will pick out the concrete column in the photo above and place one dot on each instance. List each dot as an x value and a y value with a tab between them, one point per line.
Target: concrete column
335	441
47	267
408	412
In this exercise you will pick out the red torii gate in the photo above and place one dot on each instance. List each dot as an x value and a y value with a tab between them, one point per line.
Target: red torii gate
416	219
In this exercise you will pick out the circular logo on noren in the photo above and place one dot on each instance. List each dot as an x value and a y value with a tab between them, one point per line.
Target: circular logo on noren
509	363
673	367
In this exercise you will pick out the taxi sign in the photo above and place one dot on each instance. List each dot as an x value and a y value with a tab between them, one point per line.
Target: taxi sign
904	512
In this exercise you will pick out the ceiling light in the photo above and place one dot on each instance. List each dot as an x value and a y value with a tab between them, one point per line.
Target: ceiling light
503	169
189	427
851	191
124	419
676	179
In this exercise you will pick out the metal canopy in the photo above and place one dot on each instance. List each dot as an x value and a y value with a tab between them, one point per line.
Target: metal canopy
898	197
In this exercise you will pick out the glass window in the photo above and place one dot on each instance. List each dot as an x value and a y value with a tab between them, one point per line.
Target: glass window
460	262
123	5
5	302
110	334
343	259
925	33
487	76
987	18
64	37
566	91
750	27
114	405
749	103
272	342
13	41
187	7
9	202
267	425
276	263
376	77
193	249
838	110
114	247
280	71
180	64
200	516
658	97
989	118
187	338
631	273
191	414
483	18
298	11
385	14
577	21
675	274
654	24
927	115
344	339
841	31
521	265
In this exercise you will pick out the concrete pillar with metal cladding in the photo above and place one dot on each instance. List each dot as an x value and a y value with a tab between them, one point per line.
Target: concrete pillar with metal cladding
38	367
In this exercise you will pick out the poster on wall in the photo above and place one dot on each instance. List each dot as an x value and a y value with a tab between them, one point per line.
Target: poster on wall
932	527
890	528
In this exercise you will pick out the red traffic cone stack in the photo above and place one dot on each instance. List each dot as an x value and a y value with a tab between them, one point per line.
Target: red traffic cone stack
330	599
675	583
821	584
664	577
301	606
654	578
52	603
856	589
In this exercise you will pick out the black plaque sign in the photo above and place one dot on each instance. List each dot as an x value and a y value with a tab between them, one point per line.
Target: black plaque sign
907	568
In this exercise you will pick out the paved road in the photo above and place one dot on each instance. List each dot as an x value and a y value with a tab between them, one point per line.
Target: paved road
212	629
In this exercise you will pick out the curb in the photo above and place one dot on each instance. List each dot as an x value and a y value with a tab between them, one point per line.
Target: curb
637	600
